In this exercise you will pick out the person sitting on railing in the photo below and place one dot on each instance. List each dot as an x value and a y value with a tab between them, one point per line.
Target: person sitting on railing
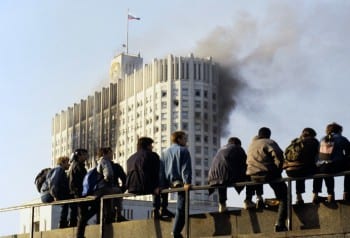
264	164
76	174
299	159
228	167
333	158
56	188
107	186
143	173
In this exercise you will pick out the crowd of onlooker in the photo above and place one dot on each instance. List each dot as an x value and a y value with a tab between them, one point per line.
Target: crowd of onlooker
265	162
148	173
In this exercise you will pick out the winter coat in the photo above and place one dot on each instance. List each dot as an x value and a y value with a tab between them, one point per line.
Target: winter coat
341	150
264	156
104	167
143	172
119	174
76	176
56	184
228	166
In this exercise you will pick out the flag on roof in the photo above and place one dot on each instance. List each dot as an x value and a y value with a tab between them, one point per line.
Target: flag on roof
131	17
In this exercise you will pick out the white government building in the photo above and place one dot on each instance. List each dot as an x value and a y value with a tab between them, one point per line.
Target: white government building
153	100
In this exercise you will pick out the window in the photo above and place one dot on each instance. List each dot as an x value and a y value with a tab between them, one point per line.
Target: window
184	103
163	105
198	173
198	138
197	104
205	93
163	93
185	91
197	115
198	127
197	92
176	102
163	127
198	161
198	149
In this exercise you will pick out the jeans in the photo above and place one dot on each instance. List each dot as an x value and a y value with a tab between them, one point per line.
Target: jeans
179	222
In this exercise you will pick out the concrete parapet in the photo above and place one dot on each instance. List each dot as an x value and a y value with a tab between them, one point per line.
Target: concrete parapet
308	220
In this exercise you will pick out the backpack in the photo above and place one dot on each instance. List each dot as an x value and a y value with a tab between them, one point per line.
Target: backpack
293	151
90	182
326	148
40	178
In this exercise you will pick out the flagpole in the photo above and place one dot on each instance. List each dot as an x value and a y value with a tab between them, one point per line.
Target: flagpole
127	32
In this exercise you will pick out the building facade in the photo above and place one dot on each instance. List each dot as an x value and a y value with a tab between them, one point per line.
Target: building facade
155	99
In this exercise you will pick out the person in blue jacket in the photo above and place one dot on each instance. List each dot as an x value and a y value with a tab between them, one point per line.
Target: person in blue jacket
177	172
56	187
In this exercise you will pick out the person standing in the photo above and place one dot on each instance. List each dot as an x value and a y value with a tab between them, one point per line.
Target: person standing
56	187
333	158
177	172
300	157
264	164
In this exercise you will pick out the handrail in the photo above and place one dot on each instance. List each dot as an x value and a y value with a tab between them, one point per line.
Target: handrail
172	190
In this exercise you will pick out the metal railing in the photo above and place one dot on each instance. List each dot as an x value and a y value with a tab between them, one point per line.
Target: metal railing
288	180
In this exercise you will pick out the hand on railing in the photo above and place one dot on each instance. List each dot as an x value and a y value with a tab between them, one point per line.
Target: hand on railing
187	186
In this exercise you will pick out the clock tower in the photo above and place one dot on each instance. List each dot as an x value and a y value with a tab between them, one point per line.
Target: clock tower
124	64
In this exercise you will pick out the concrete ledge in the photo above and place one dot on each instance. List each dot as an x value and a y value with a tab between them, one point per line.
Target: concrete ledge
308	220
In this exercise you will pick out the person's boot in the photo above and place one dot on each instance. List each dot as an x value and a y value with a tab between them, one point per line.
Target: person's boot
222	207
248	204
280	228
165	213
330	198
315	198
300	200
260	203
63	224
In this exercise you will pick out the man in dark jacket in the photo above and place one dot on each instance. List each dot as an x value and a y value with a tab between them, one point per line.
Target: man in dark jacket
300	159
264	163
143	169
229	166
76	176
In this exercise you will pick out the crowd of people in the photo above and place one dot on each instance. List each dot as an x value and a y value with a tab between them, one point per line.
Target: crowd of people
265	161
149	173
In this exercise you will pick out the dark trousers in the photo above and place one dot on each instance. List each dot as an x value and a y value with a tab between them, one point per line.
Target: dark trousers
250	191
179	222
160	201
280	190
86	210
63	223
331	168
303	172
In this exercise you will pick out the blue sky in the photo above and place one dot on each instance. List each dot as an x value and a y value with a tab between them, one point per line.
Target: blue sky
293	56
